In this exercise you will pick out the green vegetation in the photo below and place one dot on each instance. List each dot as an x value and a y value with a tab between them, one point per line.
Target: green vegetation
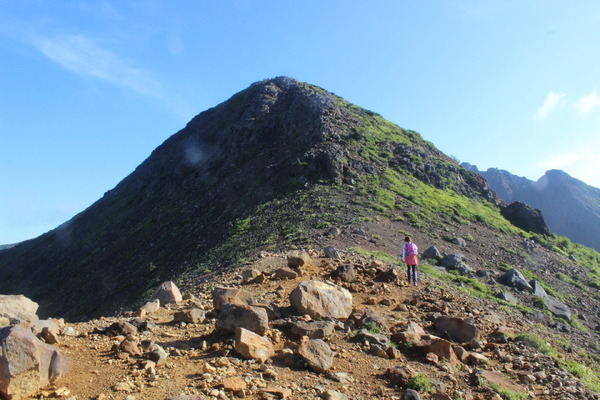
536	342
377	255
508	394
421	383
373	327
445	205
587	373
472	287
241	226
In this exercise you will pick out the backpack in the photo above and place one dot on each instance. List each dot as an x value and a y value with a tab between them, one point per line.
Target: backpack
410	249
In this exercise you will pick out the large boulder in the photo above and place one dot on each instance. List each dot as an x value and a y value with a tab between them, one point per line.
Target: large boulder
451	260
26	363
167	293
331	252
412	334
299	259
317	354
252	346
538	290
443	349
345	272
459	241
514	278
235	316
410	394
150	307
313	329
464	269
228	295
506	296
458	329
39	325
432	253
192	316
18	307
321	300
557	308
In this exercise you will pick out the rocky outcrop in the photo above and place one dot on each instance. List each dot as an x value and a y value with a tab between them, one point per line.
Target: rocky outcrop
409	336
525	217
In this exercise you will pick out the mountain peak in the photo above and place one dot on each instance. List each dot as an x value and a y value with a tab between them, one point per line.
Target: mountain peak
266	167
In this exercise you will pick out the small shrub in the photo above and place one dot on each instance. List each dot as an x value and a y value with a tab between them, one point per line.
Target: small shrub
421	383
373	327
408	346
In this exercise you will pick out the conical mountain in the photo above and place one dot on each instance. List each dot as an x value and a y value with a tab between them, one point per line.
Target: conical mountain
273	166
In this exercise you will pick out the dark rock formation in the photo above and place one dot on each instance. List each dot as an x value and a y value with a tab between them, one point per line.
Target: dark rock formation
525	217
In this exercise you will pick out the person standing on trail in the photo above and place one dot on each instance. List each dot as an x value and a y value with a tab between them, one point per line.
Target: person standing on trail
409	256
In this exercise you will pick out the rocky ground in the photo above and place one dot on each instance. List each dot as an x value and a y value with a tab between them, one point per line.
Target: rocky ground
396	336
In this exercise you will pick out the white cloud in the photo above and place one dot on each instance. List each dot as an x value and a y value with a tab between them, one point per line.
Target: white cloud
582	164
559	161
587	103
552	101
81	56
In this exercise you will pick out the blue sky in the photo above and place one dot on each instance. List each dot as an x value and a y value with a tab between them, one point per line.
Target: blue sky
89	88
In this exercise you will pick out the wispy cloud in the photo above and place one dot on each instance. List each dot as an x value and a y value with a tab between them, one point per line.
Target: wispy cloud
80	55
552	101
558	161
587	103
582	164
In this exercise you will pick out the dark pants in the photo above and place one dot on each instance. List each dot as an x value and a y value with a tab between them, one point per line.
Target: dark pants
411	271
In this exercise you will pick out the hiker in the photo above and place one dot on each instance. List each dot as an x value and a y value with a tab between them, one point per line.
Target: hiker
409	256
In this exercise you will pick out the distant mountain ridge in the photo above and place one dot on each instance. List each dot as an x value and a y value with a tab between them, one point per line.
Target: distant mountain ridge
571	207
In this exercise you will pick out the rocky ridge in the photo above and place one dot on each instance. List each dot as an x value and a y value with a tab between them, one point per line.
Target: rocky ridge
258	333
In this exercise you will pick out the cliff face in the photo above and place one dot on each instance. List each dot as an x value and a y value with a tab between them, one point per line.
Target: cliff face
571	208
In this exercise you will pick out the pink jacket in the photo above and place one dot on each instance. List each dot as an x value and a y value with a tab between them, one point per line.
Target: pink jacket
409	259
